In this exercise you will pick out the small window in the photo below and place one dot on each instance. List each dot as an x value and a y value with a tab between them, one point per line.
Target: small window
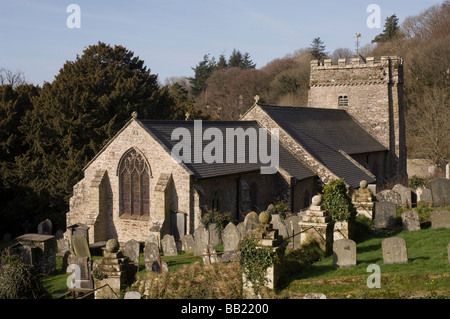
215	202
343	100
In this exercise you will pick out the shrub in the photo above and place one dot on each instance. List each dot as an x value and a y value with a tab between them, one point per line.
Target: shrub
18	280
220	219
416	182
280	207
337	201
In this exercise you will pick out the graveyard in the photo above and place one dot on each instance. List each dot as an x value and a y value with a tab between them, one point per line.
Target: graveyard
408	245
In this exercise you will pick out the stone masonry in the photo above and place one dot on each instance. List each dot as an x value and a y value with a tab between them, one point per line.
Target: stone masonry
374	97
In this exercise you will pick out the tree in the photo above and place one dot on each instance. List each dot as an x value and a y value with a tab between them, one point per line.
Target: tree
85	106
391	29
11	78
317	49
202	72
242	61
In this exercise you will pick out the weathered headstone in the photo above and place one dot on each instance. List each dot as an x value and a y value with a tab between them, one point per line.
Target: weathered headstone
159	268
440	191
152	238
344	253
209	255
132	295
45	227
80	246
293	229
440	219
179	226
389	196
241	228
278	224
411	221
406	197
394	251
201	238
187	243
424	195
230	238
131	250
213	234
151	253
251	221
385	215
168	246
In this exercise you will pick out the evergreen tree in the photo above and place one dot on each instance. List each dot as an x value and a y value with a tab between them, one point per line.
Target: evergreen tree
391	29
201	73
88	102
317	49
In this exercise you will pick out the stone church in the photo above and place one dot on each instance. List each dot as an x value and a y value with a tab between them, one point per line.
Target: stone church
352	128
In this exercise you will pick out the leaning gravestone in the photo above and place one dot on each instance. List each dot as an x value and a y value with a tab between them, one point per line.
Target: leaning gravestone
80	246
440	191
440	219
151	254
293	229
131	250
168	245
344	253
385	215
410	221
394	251
187	243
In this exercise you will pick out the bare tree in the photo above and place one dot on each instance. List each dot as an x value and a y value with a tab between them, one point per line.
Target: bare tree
12	78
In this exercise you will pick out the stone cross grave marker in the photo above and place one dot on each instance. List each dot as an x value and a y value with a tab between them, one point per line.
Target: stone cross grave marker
394	251
440	191
168	245
411	221
151	253
344	253
385	215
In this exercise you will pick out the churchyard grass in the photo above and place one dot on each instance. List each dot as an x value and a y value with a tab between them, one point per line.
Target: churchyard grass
427	274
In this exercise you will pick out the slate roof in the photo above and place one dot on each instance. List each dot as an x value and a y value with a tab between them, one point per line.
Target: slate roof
323	133
162	130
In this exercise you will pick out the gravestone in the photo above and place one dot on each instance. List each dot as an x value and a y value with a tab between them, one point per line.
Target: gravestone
213	235
151	254
251	221
45	227
201	239
440	191
241	228
394	251
152	238
187	243
39	250
424	195
131	250
440	219
79	230
344	253
80	246
230	238
314	295
389	196
293	228
209	255
385	215
411	221
179	227
159	268
168	246
132	295
278	224
406	196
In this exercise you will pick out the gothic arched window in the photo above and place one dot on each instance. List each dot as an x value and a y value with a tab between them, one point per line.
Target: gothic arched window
134	180
216	201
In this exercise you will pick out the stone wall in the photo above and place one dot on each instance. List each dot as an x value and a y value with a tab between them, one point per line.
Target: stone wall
375	99
96	199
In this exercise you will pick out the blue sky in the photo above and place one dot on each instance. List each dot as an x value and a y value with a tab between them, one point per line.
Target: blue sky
171	36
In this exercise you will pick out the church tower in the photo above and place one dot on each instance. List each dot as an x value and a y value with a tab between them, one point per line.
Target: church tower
372	93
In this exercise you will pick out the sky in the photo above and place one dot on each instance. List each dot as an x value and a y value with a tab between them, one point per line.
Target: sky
172	36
